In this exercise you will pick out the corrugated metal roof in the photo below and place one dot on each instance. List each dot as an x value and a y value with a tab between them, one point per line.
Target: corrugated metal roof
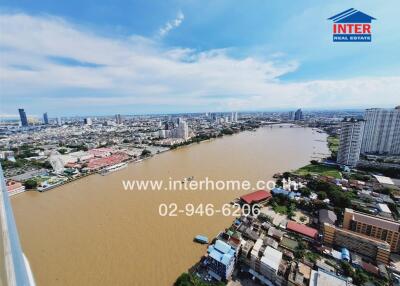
272	258
302	229
256	196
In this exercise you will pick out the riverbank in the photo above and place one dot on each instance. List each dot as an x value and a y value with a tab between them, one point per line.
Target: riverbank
64	179
94	226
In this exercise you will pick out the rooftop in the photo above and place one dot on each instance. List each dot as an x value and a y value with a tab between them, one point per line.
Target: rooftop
256	196
272	258
375	221
302	229
384	180
221	252
322	278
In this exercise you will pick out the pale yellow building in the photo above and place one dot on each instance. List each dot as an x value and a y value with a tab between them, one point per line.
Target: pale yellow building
373	226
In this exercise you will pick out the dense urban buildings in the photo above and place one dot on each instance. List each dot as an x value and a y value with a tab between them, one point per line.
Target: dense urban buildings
350	141
377	134
305	230
382	131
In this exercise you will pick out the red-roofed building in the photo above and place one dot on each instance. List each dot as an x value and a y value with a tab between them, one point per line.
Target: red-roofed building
302	229
370	268
98	163
256	197
14	188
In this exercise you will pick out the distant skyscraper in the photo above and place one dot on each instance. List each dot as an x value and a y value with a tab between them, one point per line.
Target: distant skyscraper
118	118
59	122
22	116
351	134
182	130
291	115
88	121
45	118
382	131
234	117
298	115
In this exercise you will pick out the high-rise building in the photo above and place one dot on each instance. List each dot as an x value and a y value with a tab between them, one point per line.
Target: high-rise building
351	134
291	115
23	118
59	122
373	226
234	117
298	115
183	130
45	118
88	121
382	131
118	118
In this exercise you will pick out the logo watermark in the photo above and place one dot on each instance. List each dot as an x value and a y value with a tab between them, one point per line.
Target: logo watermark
352	26
196	185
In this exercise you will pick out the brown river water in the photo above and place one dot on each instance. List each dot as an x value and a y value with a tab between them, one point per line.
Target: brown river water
93	232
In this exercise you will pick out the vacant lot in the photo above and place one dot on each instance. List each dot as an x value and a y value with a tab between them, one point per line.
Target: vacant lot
319	170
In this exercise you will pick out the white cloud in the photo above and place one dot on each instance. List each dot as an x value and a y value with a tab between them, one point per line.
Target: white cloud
171	24
137	70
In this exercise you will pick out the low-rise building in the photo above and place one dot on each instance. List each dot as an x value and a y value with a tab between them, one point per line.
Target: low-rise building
323	278
326	216
221	260
256	197
14	188
265	263
302	229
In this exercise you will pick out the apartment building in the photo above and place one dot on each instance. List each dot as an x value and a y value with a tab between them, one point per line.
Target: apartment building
372	248
373	226
351	135
382	131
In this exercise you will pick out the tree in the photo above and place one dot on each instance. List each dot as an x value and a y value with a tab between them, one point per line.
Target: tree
30	184
279	183
322	195
347	268
360	277
145	153
227	131
62	150
183	280
305	192
300	249
314	162
286	175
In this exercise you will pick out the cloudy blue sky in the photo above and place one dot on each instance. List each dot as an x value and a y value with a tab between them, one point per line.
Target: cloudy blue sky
133	57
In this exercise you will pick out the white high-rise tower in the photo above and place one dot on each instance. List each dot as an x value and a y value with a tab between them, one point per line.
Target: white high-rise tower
351	134
382	131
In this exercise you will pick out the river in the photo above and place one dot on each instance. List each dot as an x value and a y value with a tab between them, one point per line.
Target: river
93	232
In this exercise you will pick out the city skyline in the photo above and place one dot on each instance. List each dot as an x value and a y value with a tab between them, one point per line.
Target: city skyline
188	59
110	114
